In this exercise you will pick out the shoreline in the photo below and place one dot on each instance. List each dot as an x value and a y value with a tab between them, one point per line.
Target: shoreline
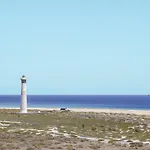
96	110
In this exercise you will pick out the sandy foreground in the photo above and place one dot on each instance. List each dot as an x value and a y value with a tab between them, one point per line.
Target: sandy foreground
100	110
77	129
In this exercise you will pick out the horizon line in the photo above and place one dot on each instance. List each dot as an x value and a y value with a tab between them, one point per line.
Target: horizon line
77	94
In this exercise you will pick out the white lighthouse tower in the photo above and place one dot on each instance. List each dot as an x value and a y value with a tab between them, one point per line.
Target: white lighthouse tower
23	103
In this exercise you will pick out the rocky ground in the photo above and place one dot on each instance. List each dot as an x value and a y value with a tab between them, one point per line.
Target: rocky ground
68	130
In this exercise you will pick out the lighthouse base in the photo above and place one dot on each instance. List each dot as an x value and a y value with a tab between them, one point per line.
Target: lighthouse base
23	111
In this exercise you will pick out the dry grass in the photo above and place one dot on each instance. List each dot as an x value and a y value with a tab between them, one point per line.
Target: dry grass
33	130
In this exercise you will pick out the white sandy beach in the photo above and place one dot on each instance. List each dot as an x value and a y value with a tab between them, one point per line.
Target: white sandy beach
100	110
137	112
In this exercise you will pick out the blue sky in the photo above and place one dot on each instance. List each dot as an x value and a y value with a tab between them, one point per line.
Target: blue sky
75	47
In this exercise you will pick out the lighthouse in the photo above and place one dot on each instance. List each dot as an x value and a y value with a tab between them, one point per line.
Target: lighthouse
23	102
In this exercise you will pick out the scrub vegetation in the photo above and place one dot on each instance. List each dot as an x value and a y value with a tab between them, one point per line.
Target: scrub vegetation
73	130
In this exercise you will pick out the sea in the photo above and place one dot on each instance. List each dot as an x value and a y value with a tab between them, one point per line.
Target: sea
131	102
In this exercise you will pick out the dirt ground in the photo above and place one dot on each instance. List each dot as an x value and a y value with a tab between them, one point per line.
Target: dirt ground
55	130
